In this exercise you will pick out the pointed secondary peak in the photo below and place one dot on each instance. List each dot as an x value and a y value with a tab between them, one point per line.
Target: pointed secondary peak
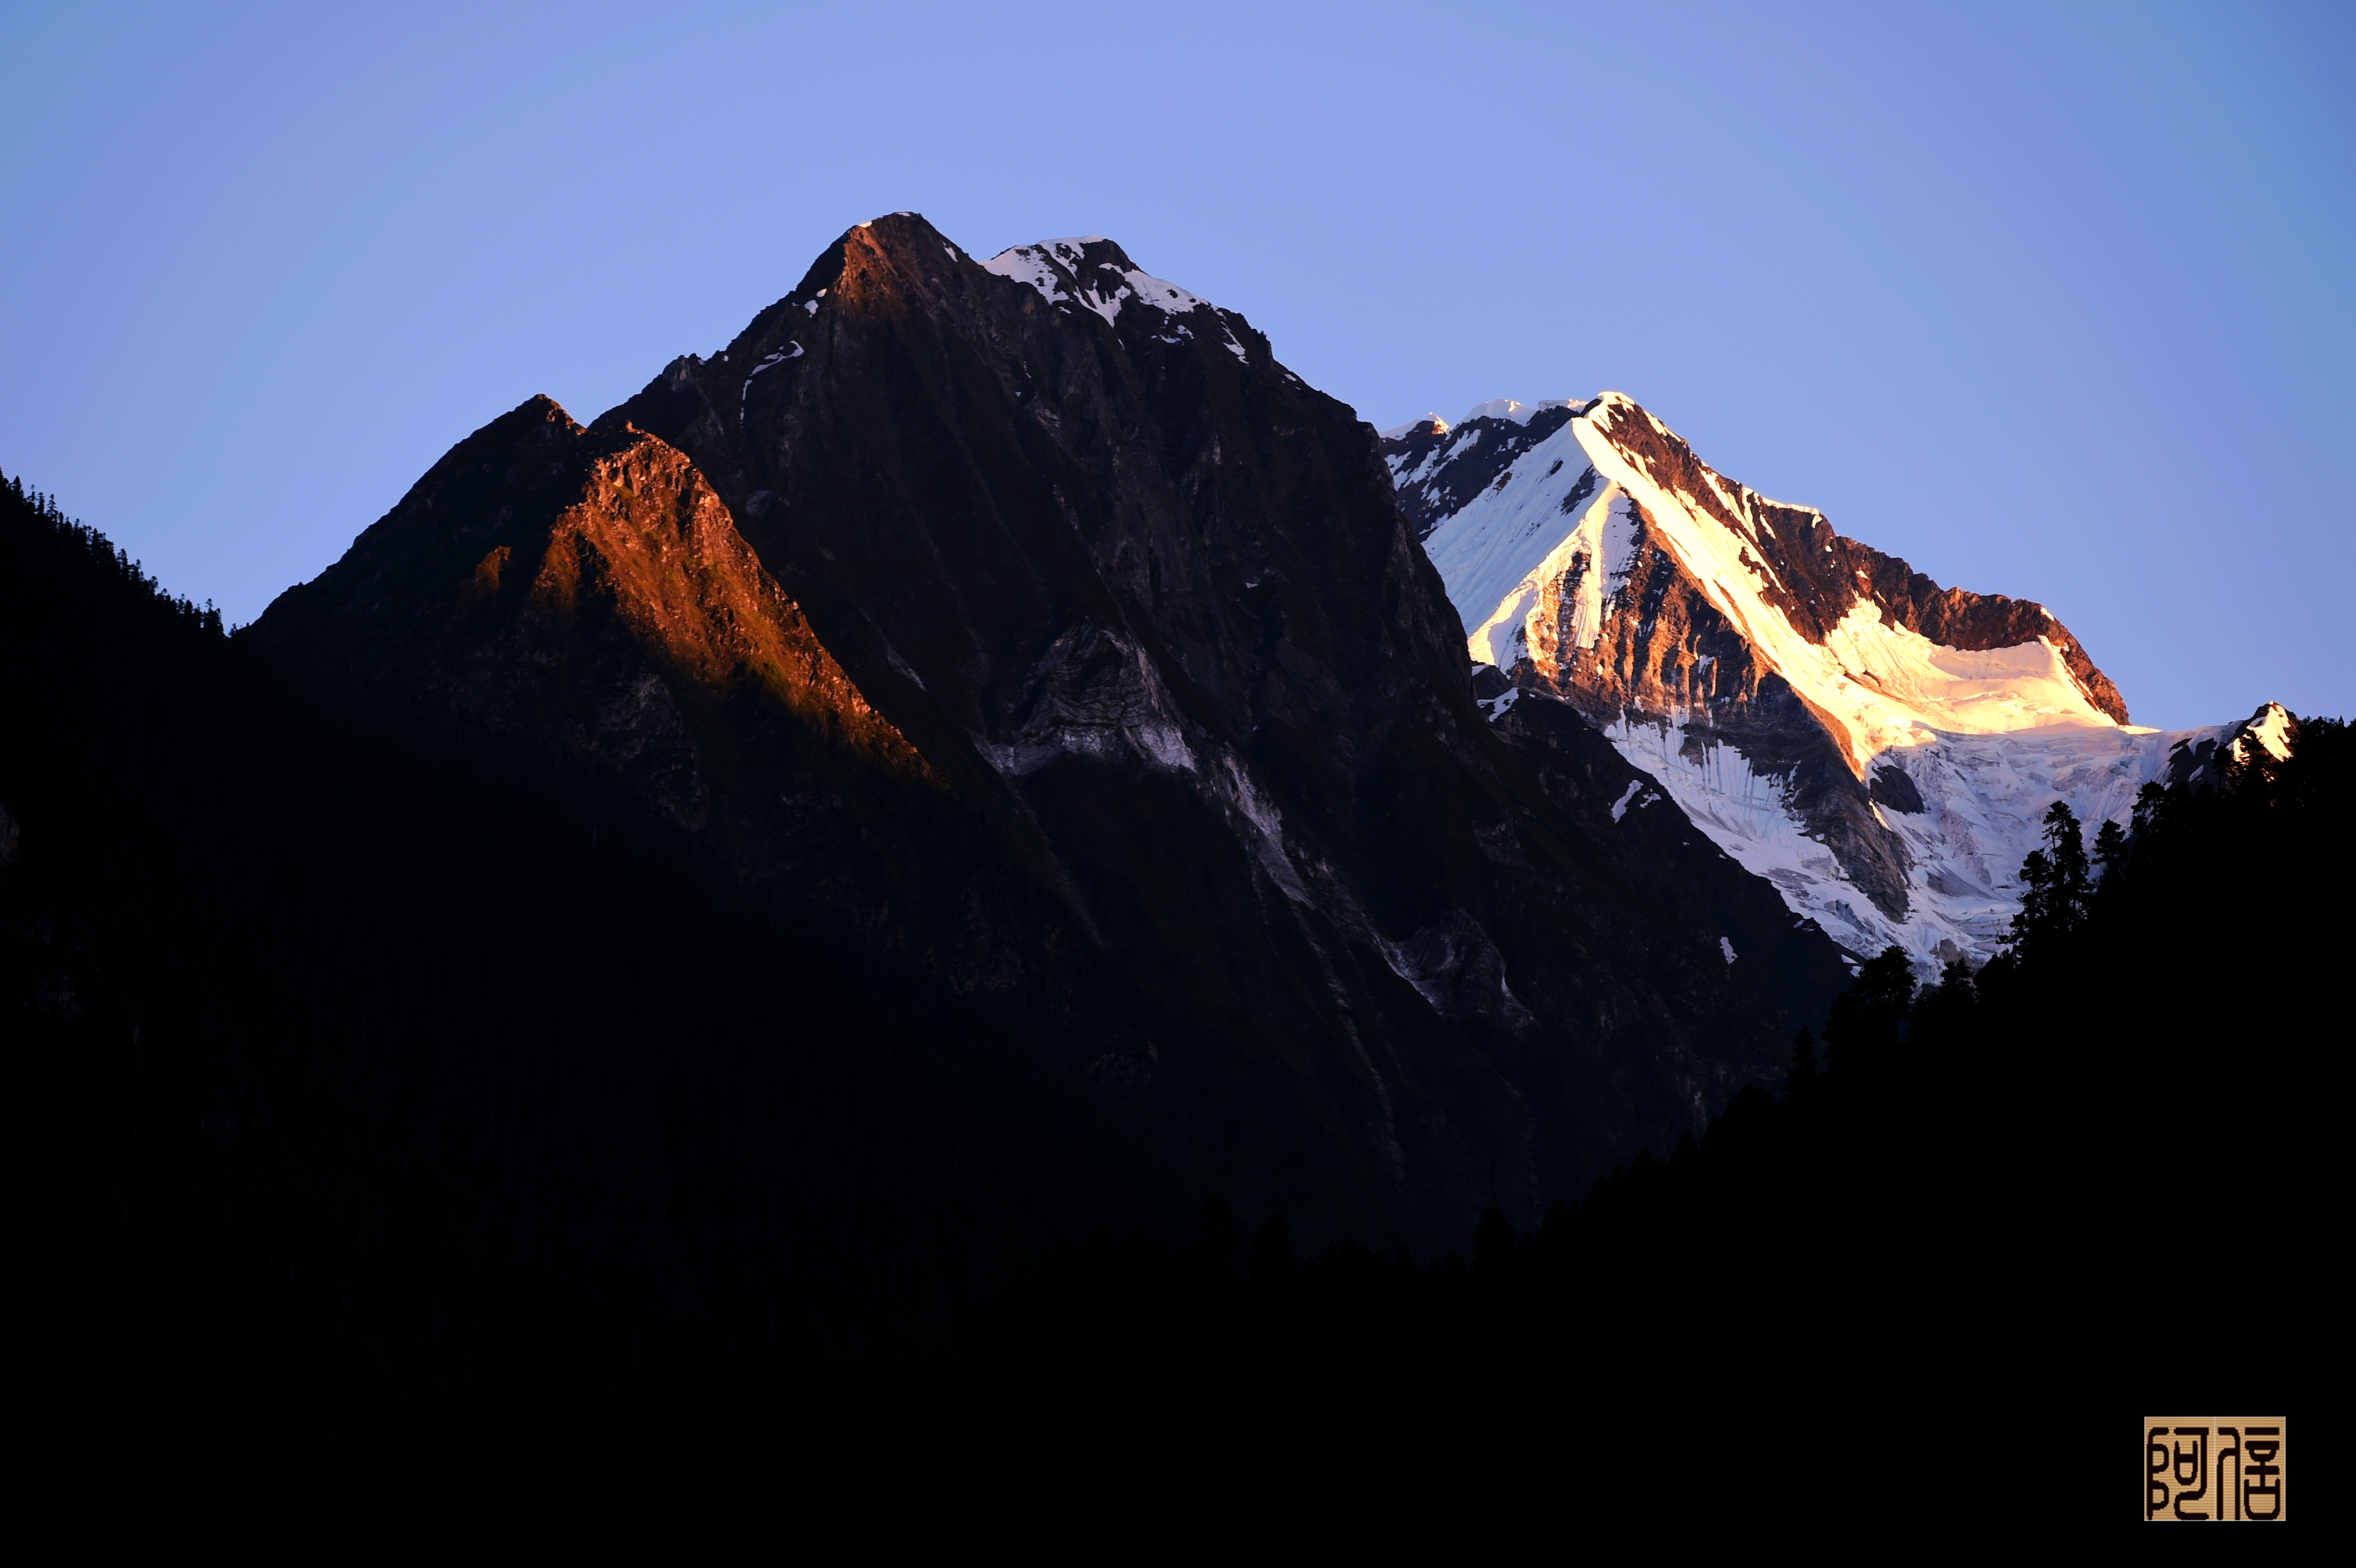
1075	255
1093	273
1604	407
1430	424
897	242
1513	409
537	408
896	228
2273	726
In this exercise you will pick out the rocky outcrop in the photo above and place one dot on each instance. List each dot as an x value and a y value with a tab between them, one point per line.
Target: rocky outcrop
1480	458
581	604
2199	760
1670	656
1813	575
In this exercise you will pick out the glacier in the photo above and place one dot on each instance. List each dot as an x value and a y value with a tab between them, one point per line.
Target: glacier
1962	749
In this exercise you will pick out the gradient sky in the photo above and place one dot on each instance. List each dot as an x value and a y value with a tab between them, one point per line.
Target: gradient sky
2053	302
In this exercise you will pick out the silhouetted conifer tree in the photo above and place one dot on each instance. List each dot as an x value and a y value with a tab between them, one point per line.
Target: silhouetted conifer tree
1868	1018
1215	1235
1493	1243
2110	851
2054	884
1801	1080
2069	869
1271	1252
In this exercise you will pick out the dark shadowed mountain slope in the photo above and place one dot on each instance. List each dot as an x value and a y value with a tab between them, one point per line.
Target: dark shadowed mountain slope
350	1101
582	604
1258	879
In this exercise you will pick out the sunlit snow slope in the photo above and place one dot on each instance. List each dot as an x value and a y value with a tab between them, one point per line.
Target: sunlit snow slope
1880	748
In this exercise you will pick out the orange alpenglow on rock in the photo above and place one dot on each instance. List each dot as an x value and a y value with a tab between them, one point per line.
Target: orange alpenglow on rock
650	533
1878	747
545	582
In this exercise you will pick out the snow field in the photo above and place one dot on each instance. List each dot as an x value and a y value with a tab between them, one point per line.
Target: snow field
1990	738
1984	797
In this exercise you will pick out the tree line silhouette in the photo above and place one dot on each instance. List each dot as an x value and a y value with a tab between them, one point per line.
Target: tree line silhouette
2058	1178
360	1113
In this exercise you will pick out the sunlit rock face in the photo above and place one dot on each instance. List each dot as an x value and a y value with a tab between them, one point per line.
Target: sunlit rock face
1878	746
1131	709
583	600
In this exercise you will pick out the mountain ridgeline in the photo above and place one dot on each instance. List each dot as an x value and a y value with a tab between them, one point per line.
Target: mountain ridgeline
1032	633
665	933
1878	747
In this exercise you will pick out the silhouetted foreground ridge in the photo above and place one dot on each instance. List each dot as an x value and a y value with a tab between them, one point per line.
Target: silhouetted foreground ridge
358	1107
365	1113
1965	1192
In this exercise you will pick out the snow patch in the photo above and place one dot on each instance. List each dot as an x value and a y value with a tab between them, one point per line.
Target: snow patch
779	358
1498	707
1508	408
1061	272
1984	798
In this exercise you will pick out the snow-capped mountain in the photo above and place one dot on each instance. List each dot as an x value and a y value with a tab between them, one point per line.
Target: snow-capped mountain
1879	748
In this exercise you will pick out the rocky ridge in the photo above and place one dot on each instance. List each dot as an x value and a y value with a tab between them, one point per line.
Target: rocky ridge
1878	746
583	599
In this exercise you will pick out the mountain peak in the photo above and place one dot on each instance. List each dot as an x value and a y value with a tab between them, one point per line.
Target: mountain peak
2273	726
1087	545
1878	746
1093	273
1513	409
898	244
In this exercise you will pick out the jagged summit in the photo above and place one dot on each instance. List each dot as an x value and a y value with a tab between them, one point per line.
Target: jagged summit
1827	609
1097	275
1878	745
1516	412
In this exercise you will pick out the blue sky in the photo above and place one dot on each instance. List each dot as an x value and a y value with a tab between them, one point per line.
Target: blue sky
2054	302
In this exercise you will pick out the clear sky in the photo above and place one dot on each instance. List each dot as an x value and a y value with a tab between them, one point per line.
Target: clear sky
2055	301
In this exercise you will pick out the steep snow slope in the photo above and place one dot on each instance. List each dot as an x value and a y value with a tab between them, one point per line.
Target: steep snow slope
1879	748
1980	801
